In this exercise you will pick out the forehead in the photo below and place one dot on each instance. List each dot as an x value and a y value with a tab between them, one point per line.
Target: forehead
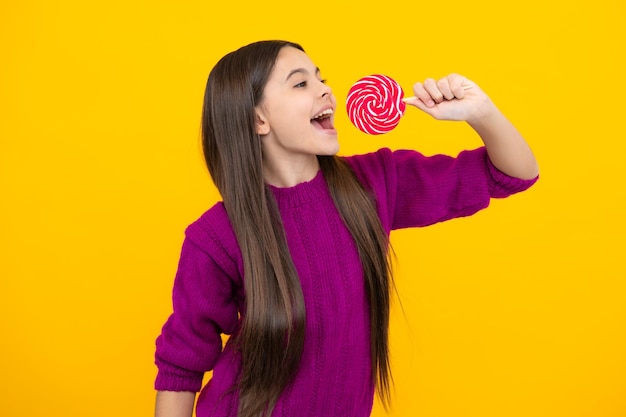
290	59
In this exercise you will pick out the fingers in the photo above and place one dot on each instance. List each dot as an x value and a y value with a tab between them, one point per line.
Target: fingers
426	93
432	92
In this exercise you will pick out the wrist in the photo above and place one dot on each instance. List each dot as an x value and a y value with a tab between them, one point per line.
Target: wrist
484	116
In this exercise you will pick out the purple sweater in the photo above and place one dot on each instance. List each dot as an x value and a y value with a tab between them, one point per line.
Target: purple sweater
411	190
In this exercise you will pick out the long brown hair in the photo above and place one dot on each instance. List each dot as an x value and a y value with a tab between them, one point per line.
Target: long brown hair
271	338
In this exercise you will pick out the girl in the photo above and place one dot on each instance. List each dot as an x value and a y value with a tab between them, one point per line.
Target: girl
293	264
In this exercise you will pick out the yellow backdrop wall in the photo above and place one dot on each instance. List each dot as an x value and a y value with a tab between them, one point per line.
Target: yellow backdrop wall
517	311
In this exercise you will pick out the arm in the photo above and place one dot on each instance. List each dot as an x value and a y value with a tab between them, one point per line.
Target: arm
174	404
446	99
414	190
204	307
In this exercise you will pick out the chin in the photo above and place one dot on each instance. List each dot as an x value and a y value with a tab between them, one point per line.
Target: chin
329	151
331	147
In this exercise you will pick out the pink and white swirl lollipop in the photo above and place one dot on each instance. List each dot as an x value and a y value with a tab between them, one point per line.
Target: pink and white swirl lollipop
375	104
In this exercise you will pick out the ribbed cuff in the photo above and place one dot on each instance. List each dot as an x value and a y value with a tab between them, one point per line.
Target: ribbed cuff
503	185
173	382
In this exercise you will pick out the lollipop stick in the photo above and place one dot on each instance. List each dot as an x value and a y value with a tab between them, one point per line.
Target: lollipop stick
465	87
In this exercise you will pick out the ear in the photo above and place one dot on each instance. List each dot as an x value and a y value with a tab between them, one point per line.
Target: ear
261	123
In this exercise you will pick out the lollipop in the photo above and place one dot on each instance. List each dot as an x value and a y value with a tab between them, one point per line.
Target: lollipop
375	104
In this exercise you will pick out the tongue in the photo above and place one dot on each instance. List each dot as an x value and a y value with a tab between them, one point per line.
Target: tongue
323	123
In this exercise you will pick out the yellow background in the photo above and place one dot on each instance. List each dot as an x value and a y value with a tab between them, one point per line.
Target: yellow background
519	310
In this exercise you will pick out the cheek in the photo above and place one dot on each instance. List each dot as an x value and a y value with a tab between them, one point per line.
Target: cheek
289	110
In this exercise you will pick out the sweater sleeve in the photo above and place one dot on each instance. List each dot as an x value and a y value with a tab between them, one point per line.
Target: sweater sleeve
204	307
413	190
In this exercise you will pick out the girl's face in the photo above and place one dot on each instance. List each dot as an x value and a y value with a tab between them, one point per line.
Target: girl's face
295	118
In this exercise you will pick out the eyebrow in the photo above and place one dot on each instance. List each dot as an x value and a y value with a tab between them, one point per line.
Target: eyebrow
301	71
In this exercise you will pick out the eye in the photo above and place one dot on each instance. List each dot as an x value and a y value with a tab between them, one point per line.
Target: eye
305	83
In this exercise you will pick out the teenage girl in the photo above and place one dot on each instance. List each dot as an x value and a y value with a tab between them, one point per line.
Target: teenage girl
294	264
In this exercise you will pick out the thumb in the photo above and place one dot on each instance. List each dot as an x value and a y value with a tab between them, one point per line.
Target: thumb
416	102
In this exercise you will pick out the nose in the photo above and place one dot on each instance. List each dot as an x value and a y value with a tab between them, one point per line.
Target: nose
326	90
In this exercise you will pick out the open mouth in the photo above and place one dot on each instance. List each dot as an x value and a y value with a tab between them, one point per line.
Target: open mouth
323	120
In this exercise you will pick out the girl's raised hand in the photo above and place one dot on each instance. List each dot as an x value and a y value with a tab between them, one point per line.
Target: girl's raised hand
453	97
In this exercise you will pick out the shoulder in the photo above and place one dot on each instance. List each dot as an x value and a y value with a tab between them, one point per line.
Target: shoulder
388	166
371	161
385	161
372	167
212	232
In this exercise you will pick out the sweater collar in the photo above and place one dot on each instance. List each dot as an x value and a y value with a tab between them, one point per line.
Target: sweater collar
300	194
